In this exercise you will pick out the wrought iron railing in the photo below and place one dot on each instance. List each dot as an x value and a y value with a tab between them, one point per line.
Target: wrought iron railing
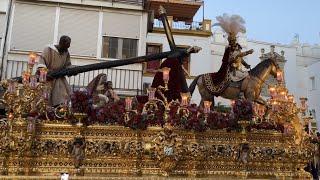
125	81
133	2
180	25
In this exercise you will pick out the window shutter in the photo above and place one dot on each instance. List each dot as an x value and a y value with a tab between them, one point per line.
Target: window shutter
33	27
2	24
82	27
121	25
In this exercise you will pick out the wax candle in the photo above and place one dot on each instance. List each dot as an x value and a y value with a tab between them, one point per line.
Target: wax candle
207	105
184	99
128	102
165	73
33	81
43	75
151	93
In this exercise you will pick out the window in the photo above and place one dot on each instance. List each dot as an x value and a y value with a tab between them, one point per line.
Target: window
119	48
152	66
312	83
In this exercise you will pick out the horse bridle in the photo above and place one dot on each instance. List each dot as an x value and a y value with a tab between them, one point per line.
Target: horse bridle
259	79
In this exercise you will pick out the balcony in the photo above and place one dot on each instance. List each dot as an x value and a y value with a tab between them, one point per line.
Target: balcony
135	4
132	2
185	28
181	10
125	81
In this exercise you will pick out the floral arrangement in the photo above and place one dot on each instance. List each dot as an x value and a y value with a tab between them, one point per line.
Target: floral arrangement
81	102
268	126
242	109
113	113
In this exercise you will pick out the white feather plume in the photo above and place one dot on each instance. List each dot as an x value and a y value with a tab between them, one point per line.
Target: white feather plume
232	24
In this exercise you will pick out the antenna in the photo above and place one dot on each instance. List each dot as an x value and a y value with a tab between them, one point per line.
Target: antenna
203	12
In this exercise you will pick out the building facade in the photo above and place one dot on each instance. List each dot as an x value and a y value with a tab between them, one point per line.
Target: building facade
110	30
100	31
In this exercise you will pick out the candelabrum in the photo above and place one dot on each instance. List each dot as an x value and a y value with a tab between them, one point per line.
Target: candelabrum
206	110
154	104
282	103
30	96
183	110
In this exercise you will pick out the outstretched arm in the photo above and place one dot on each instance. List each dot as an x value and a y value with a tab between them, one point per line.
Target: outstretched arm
246	53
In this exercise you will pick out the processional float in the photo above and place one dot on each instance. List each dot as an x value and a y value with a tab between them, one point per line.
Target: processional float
157	138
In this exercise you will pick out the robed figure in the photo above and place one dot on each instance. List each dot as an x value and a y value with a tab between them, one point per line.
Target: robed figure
54	58
177	82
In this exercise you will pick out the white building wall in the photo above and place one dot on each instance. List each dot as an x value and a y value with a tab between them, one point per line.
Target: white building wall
33	27
2	29
3	5
83	30
37	24
314	94
302	82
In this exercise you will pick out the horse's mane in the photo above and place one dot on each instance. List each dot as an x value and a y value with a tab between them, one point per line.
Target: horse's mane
260	67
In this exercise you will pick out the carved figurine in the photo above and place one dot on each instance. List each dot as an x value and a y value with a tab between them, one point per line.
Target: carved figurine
244	153
78	153
237	62
97	90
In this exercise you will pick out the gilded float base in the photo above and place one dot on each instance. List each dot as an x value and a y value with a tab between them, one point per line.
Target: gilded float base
114	152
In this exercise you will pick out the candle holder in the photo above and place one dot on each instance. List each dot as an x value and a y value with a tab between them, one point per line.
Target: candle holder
80	117
206	110
183	110
26	97
282	103
129	114
304	106
32	61
43	75
154	104
165	75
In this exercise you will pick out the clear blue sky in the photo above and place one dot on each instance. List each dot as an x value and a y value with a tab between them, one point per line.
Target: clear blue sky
275	21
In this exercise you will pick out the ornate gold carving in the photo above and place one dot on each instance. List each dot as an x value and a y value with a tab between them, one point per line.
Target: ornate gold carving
157	151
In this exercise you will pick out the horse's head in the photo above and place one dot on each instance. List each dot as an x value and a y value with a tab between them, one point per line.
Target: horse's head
274	68
265	68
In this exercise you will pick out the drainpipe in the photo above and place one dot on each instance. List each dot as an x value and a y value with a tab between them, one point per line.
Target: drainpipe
4	51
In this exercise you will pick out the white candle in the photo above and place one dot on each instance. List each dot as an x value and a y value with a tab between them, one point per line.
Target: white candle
128	102
43	75
207	105
184	99
33	81
151	93
12	87
32	58
165	74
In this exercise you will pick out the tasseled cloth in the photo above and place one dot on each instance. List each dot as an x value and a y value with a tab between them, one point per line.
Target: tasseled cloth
219	81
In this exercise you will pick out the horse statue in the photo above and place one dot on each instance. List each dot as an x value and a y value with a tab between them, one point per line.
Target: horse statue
250	86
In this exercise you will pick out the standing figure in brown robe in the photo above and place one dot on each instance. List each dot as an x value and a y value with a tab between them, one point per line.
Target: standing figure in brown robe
57	57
